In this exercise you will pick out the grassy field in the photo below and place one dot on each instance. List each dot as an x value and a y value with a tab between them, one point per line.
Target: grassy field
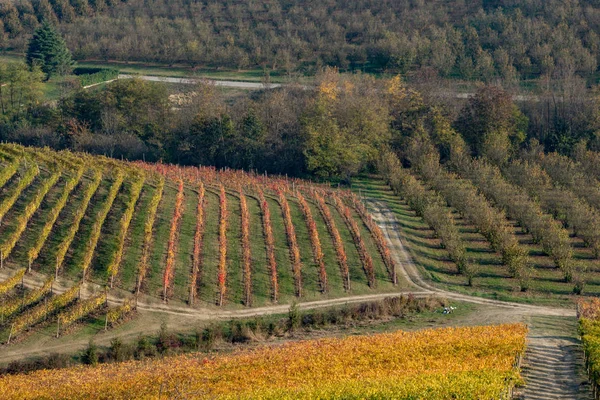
176	71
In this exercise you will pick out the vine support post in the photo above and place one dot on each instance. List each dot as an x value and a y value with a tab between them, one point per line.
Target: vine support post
12	326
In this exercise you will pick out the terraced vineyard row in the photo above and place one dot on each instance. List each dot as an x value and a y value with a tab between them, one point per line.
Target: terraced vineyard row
182	234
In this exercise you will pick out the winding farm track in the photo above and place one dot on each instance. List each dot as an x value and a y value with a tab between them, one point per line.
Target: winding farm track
552	364
552	367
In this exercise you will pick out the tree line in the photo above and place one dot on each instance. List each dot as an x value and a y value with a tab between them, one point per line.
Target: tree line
483	40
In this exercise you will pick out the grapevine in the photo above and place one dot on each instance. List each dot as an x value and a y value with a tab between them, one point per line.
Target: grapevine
9	283
337	239
270	243
246	254
40	312
380	240
148	229
8	309
79	214
222	269
72	182
314	240
22	220
364	255
24	182
172	245
198	241
293	243
134	195
79	310
100	218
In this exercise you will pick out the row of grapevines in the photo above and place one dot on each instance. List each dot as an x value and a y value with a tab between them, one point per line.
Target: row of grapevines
314	240
544	229
198	241
293	243
377	234
270	243
338	243
364	255
9	283
72	182
562	203
429	207
246	253
40	312
100	218
172	245
79	214
8	171
23	219
10	308
475	208
222	268
134	195
6	204
116	314
148	229
79	310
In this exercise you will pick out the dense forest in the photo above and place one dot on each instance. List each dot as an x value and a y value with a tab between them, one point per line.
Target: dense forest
483	40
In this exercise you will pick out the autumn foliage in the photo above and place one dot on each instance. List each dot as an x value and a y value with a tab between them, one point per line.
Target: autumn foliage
338	243
293	243
270	244
314	240
246	254
198	240
222	268
466	363
364	255
169	271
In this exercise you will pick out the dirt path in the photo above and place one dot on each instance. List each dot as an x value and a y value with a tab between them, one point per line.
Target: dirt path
553	364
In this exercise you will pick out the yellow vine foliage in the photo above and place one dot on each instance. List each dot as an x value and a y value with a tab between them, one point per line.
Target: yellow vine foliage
80	310
588	311
28	177
100	218
134	195
79	214
448	363
9	283
23	219
148	231
116	314
9	308
8	171
72	182
42	311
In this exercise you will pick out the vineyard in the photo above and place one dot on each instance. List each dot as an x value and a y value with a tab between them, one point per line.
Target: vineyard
196	237
466	363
